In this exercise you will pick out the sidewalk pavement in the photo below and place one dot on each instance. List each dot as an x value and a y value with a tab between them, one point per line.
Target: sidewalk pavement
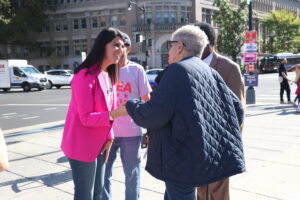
39	170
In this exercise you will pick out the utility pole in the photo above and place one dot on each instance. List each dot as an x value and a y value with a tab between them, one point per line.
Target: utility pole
250	93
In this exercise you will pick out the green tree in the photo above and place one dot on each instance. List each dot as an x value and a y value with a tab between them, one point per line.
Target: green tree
286	27
232	22
18	18
4	12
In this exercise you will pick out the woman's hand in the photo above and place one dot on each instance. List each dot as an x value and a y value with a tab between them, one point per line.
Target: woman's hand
106	149
119	112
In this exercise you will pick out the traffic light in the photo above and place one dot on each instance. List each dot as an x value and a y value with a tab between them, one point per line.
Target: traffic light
150	43
148	53
138	38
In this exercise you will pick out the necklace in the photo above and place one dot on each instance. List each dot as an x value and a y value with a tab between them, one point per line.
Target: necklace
108	82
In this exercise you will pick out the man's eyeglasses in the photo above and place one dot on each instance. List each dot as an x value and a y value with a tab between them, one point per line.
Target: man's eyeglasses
171	42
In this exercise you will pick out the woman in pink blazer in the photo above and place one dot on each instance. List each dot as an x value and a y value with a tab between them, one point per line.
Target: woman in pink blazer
88	136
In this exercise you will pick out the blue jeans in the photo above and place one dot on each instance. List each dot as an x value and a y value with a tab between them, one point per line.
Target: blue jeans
179	192
88	178
130	152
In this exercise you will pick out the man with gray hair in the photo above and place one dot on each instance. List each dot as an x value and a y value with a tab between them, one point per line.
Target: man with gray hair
194	121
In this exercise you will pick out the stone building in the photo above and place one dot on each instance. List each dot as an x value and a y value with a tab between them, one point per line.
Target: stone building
75	24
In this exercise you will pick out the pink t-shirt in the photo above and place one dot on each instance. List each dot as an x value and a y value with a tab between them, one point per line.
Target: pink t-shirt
133	84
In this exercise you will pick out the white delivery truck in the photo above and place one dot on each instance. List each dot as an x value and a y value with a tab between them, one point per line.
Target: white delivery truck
18	74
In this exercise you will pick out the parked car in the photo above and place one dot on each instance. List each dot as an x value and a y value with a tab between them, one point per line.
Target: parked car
152	73
59	77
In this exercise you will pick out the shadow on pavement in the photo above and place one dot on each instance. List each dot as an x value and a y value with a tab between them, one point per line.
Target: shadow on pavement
34	156
277	110
62	159
30	132
49	180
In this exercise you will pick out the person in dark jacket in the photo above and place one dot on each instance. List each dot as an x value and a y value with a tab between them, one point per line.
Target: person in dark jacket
231	74
284	84
194	120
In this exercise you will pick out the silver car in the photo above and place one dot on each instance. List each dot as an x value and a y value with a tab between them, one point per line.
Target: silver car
59	77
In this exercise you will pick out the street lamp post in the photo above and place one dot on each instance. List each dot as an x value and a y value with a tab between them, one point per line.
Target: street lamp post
143	9
272	35
250	92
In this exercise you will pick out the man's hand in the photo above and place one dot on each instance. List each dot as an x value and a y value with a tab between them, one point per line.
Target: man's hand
106	149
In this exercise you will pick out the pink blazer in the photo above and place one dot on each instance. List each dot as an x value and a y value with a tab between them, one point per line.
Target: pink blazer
87	125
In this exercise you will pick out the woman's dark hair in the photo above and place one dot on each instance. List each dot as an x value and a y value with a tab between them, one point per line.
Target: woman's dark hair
96	55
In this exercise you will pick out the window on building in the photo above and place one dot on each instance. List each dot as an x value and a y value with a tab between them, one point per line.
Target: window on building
80	46
173	17
207	15
66	48
149	18
94	22
103	21
68	1
57	26
166	17
67	52
114	20
122	20
59	51
46	28
183	17
62	48
83	23
65	25
158	18
76	26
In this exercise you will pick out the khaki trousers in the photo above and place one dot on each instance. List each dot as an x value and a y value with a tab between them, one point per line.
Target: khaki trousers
216	191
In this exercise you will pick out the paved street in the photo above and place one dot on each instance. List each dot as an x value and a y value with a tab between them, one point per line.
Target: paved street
20	109
40	171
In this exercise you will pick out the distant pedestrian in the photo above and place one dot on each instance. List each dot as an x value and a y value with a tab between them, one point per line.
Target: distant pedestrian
232	76
3	153
194	120
284	84
87	136
297	81
133	83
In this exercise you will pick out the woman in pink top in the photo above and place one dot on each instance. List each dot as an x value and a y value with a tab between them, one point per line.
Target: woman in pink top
297	81
87	136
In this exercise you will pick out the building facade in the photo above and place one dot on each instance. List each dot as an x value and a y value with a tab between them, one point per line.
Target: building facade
75	24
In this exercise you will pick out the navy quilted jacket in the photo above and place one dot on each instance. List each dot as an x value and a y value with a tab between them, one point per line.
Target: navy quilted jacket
194	121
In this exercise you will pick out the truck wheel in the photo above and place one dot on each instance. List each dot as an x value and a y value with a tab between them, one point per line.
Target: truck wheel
6	89
58	86
26	87
50	85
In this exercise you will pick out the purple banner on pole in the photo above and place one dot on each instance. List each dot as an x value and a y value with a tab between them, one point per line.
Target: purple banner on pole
251	80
